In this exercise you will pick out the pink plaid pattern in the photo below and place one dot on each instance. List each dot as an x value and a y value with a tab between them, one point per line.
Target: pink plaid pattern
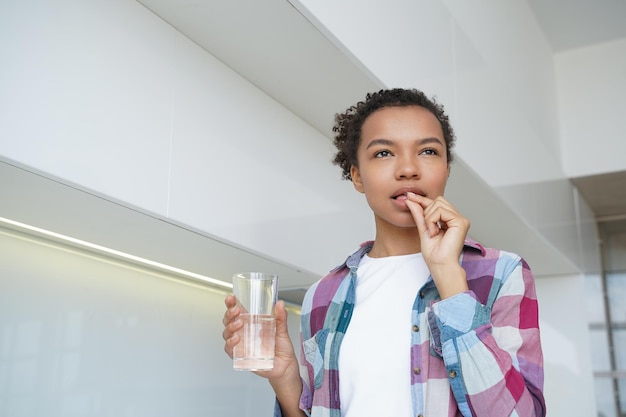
478	353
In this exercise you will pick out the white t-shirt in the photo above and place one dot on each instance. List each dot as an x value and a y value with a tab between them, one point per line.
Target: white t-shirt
374	358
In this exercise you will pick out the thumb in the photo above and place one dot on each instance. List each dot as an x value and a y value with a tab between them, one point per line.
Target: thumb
280	313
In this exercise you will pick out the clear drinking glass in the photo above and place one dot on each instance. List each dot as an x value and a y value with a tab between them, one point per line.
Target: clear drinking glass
256	293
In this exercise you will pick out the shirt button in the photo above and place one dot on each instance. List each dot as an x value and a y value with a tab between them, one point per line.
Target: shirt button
422	294
421	415
452	374
417	371
416	328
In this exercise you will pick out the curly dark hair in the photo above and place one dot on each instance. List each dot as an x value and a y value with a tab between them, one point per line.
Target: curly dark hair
347	129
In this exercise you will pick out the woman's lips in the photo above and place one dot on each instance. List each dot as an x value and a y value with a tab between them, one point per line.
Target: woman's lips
400	201
401	193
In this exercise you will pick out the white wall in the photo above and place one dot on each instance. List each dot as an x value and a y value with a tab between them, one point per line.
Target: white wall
569	385
82	335
591	102
107	96
448	49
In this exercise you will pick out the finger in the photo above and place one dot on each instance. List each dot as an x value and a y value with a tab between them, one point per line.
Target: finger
438	203
441	215
436	220
280	314
230	331
232	327
452	225
230	300
441	221
231	314
230	344
449	211
426	219
420	199
417	211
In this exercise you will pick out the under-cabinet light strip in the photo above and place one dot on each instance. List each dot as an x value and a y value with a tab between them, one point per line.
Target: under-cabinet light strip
117	253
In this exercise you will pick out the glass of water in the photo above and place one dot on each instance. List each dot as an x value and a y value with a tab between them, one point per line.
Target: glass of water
256	293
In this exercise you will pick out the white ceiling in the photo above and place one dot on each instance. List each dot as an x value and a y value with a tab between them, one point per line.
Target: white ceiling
250	37
272	45
570	24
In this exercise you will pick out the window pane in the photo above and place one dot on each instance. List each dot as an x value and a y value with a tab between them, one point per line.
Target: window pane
599	350
621	382
594	300
616	287
604	397
619	342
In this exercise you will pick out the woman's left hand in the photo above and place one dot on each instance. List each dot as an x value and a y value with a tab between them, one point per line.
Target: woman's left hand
442	230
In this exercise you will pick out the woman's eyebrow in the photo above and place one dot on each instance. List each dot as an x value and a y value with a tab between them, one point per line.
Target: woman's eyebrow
388	142
429	140
375	142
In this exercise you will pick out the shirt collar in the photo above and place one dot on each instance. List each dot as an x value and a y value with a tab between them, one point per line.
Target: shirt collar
353	260
470	243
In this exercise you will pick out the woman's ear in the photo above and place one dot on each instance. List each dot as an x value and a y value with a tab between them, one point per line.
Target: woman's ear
355	175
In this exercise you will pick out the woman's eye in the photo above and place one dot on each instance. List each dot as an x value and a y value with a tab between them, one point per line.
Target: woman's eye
430	151
382	154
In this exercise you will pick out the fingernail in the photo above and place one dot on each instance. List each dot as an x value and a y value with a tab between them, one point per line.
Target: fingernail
409	193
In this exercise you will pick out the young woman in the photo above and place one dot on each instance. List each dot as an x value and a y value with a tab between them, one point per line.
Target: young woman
422	321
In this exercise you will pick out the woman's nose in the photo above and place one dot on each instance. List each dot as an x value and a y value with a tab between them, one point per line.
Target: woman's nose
407	168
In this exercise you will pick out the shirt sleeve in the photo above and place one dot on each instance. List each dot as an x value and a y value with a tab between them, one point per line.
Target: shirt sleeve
306	368
493	353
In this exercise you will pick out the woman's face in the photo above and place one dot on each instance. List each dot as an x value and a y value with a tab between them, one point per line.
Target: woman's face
402	149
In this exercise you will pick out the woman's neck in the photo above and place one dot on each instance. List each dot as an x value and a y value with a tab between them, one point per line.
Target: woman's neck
395	242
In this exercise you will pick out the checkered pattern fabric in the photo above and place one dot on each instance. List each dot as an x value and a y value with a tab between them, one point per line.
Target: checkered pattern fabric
475	354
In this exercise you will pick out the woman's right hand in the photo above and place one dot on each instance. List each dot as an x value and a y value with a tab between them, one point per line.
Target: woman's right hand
285	361
285	376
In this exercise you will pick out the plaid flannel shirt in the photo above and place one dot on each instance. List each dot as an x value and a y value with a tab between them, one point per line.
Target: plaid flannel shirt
474	354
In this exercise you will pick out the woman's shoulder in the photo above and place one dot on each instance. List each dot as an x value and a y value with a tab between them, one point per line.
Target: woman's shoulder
322	291
476	252
481	262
